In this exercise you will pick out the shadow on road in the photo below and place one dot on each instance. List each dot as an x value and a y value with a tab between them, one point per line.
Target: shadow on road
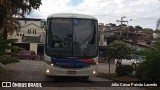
67	79
73	82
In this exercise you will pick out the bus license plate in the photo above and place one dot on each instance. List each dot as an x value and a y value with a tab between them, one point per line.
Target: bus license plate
71	72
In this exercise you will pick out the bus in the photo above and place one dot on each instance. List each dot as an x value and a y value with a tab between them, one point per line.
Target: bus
71	45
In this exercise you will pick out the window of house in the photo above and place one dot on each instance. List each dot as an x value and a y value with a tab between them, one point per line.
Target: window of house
35	31
28	31
32	31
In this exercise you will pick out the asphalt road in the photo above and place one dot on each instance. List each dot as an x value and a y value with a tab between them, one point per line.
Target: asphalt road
29	70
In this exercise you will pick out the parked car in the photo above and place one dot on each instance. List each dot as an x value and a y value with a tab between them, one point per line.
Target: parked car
27	55
132	59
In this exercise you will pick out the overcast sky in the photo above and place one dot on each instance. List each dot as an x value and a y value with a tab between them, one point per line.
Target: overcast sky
142	12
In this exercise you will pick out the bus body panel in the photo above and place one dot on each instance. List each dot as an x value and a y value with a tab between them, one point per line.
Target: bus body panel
54	71
57	71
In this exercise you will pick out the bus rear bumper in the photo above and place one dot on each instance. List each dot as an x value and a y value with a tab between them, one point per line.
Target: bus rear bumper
55	71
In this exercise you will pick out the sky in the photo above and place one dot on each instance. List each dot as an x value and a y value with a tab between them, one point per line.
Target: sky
144	13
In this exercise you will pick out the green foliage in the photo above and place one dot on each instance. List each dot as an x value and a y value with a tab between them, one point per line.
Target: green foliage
123	70
138	27
16	49
131	28
6	59
148	31
4	44
157	31
118	49
11	8
8	10
150	69
6	56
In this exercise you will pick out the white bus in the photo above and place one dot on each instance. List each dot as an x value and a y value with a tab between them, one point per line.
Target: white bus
71	46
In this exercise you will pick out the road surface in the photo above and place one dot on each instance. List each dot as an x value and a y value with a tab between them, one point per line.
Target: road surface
29	70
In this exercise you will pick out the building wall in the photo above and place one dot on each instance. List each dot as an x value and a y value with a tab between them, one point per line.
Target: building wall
24	32
30	28
24	23
156	35
33	47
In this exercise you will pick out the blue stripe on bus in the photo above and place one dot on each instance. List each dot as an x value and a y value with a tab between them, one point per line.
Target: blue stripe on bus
69	63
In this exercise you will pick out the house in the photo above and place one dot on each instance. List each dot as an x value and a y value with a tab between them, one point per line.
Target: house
26	21
31	35
139	46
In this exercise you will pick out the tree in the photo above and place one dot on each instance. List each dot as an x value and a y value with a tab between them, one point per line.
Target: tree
117	50
11	8
131	28
149	70
112	24
148	31
9	26
7	57
123	25
157	31
138	28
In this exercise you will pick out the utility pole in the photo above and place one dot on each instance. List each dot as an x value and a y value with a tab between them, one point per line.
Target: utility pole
122	21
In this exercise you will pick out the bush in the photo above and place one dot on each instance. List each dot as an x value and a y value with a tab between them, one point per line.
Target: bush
6	56
118	49
123	70
6	59
149	70
16	49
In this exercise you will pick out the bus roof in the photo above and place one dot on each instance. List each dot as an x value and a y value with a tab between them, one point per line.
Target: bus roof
71	15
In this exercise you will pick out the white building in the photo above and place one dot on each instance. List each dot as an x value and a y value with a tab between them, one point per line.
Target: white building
156	35
31	35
